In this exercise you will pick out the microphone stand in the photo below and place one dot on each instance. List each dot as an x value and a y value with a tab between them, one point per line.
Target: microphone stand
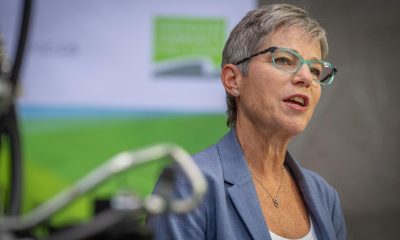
155	204
9	131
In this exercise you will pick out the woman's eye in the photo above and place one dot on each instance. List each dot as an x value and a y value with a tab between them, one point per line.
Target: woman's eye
283	61
316	72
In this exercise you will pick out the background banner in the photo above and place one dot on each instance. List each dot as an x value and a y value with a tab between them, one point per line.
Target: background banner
130	55
101	77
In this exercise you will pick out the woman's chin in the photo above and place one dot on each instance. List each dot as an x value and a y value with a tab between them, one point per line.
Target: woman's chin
294	129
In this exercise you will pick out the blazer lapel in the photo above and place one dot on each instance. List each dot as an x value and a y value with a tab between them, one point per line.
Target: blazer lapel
318	213
242	191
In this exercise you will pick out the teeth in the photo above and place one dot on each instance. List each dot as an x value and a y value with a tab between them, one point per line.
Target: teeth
298	99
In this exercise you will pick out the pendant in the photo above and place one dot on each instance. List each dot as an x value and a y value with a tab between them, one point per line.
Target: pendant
275	201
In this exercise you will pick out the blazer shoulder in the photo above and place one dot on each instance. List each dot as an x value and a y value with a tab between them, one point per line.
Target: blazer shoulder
208	160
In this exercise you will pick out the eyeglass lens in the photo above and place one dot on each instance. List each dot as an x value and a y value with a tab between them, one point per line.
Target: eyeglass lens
290	62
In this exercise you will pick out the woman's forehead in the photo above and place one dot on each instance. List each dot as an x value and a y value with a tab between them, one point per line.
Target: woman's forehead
295	38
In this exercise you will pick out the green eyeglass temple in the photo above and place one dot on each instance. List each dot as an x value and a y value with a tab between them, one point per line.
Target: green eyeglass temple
328	79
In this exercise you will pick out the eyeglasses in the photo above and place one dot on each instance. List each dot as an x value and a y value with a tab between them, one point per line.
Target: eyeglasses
289	60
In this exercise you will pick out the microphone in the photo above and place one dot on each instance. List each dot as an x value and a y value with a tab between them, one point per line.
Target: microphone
155	204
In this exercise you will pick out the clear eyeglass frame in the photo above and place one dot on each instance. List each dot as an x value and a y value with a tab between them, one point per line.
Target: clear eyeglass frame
289	60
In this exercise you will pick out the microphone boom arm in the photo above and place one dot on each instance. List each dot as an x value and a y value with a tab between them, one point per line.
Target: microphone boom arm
120	163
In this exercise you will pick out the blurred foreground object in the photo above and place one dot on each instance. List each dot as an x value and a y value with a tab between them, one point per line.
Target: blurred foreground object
124	208
9	130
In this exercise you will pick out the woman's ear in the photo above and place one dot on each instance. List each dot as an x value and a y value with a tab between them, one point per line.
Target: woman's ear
231	78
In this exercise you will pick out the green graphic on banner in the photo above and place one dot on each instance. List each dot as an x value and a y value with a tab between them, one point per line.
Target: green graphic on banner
188	46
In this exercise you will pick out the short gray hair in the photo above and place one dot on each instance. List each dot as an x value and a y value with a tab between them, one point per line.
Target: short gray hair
248	36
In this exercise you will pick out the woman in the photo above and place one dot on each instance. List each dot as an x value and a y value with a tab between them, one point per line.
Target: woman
272	73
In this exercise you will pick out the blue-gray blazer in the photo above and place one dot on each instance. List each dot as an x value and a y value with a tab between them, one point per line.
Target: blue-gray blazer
230	209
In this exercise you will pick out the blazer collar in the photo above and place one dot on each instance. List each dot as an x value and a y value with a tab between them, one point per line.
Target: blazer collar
319	214
233	162
241	191
244	196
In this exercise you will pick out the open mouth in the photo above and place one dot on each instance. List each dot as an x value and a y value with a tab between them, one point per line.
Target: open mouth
298	99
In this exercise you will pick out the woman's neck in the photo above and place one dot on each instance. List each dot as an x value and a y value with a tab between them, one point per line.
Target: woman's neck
263	149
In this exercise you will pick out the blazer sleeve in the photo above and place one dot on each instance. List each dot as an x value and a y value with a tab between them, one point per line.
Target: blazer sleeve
191	225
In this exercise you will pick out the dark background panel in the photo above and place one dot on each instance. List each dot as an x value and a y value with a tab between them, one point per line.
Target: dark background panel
353	139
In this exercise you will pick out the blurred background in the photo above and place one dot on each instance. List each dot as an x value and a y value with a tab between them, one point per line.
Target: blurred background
100	77
353	139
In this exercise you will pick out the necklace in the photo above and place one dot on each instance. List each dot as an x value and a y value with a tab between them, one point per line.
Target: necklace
275	199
